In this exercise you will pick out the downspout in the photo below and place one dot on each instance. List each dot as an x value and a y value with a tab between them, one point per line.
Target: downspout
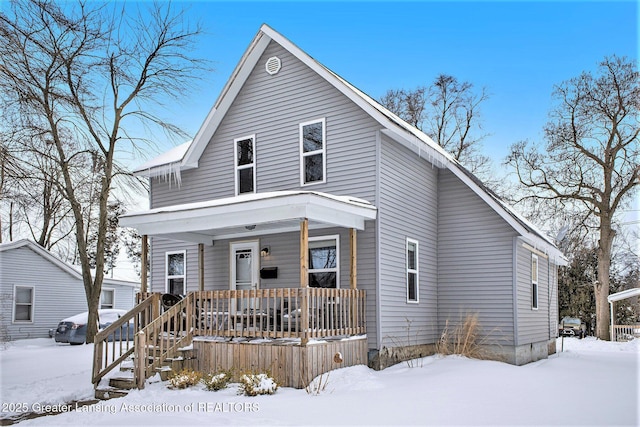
514	278
377	257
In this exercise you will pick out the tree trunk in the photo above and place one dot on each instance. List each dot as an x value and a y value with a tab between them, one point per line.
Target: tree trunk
601	287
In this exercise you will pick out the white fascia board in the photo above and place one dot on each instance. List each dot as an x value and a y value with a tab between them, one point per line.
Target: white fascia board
227	96
225	214
624	295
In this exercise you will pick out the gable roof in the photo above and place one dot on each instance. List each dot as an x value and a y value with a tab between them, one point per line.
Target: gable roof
39	250
188	155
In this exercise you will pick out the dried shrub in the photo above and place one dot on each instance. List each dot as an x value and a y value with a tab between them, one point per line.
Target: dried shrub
464	339
257	384
185	378
215	382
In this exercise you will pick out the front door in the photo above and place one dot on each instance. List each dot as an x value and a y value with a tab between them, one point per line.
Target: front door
245	270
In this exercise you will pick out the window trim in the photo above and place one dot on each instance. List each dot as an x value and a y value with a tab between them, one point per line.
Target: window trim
415	270
15	303
535	301
237	168
336	238
323	151
113	291
166	270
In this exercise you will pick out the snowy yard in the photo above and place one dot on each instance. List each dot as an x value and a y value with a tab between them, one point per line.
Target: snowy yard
590	383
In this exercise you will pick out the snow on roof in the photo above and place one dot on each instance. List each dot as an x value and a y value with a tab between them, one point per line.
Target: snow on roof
174	155
624	295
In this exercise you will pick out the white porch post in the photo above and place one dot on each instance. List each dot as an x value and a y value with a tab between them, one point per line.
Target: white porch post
304	280
200	267
143	265
353	276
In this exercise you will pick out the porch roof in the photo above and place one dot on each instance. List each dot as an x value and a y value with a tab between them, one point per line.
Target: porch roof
251	215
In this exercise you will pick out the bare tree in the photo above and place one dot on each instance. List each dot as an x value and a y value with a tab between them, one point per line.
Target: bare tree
449	112
589	163
79	75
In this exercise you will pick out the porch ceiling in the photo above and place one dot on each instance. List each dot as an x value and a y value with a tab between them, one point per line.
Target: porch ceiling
251	215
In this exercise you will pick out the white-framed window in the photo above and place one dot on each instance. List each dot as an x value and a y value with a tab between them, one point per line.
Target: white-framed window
413	288
176	272
534	281
324	261
23	297
313	149
244	150
108	298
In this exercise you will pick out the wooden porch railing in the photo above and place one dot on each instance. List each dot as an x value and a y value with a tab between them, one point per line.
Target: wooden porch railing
625	332
112	345
278	313
303	313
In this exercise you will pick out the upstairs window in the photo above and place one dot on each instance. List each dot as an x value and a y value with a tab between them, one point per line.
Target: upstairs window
245	167
534	281
23	304
313	152
412	271
176	273
324	262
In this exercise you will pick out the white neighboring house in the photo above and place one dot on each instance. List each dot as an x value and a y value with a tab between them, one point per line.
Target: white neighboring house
37	290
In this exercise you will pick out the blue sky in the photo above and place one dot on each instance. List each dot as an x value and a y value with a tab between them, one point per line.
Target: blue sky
517	50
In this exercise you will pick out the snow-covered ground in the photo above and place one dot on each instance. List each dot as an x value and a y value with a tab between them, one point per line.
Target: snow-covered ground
591	383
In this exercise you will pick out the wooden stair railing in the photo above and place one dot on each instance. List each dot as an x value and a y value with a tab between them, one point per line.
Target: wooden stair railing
111	347
161	339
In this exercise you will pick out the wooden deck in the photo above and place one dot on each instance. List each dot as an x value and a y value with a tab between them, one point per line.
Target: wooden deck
294	333
290	364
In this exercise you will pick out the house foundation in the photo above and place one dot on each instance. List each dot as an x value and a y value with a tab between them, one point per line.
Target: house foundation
286	360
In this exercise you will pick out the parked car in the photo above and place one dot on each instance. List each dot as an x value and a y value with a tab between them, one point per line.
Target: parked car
73	330
572	327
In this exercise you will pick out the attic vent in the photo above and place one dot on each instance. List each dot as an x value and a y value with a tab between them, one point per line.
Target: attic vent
273	65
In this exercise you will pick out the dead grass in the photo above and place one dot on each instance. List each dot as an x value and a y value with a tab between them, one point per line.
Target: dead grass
464	339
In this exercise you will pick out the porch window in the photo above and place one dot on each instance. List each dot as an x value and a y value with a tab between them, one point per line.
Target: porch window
176	272
534	281
245	170
312	152
324	261
412	271
107	298
23	303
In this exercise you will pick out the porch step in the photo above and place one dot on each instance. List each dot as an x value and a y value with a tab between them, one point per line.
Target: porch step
124	381
107	393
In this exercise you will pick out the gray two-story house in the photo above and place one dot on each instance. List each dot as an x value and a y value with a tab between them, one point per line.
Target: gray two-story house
298	180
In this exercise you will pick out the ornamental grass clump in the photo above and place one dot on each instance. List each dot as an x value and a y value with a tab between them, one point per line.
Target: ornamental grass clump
216	382
185	378
257	384
464	339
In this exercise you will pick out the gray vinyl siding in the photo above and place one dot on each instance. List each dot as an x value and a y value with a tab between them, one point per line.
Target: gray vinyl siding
57	294
475	261
284	253
533	325
272	107
407	208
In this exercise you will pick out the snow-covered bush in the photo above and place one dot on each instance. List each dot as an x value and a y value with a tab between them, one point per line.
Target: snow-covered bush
215	382
257	384
185	378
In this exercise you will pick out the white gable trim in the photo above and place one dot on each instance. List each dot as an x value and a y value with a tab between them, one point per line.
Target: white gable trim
58	262
393	127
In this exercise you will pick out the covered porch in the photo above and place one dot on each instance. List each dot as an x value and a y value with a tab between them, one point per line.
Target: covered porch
295	332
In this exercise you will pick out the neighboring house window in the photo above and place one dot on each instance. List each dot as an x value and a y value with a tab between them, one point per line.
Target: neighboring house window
412	270
324	262
245	164
176	272
534	281
107	298
312	152
23	304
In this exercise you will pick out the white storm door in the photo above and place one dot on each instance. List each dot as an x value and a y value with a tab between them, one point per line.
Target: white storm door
245	271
